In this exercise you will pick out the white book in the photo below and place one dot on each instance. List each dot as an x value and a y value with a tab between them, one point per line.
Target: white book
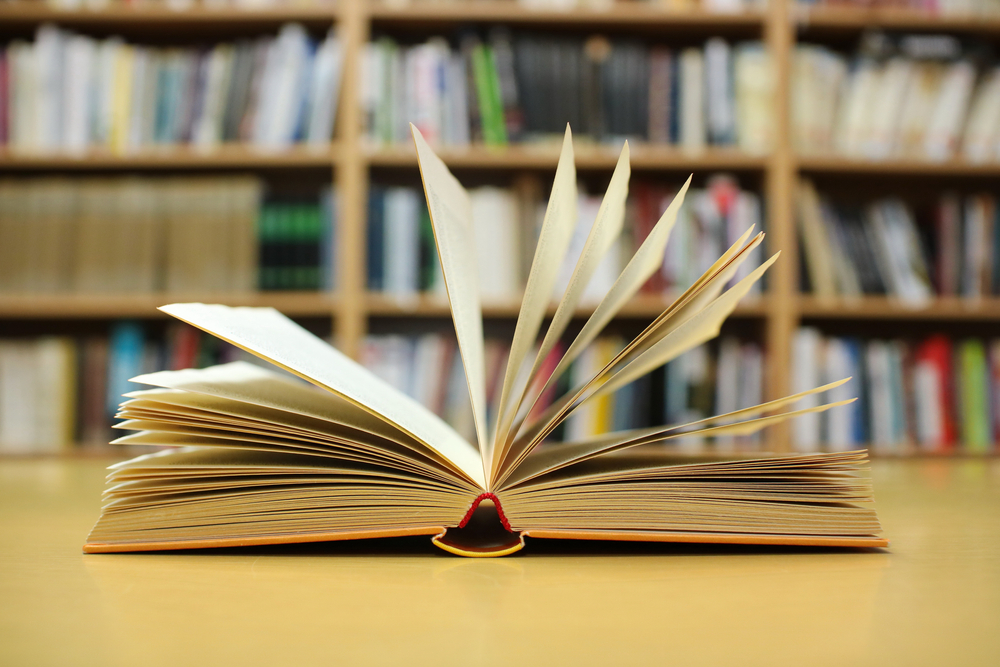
880	141
283	89
857	102
838	425
983	127
754	98
880	395
494	220
429	371
24	97
402	241
727	381
18	390
456	110
324	90
692	100
78	86
50	45
751	381
426	96
54	400
927	390
945	127
806	350
139	97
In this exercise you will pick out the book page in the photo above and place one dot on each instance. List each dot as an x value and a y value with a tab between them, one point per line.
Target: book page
270	335
643	264
607	227
565	454
553	241
451	218
698	327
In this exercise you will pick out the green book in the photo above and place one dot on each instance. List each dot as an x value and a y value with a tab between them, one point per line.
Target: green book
974	395
266	228
488	92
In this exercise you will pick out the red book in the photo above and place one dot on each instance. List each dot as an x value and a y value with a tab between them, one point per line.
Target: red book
936	350
183	350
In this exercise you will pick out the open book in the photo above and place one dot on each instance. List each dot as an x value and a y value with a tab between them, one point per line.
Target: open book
258	458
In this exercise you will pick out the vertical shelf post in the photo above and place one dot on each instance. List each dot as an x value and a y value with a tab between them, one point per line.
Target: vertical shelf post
352	184
780	190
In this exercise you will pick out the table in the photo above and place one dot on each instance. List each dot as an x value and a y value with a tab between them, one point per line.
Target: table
932	598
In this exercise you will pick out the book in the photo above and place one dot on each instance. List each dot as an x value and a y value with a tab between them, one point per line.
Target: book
266	460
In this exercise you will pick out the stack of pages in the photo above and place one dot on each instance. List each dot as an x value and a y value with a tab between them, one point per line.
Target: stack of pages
260	459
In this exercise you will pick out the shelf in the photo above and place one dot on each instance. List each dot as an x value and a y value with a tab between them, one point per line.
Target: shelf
885	308
31	13
640	307
845	19
620	14
233	156
95	306
897	167
545	156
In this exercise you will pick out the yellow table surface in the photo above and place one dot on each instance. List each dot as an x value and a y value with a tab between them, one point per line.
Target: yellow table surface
932	598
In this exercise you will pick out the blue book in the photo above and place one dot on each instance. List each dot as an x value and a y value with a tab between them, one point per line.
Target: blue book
125	357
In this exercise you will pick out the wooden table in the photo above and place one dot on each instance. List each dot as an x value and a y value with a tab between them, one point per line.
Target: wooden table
933	598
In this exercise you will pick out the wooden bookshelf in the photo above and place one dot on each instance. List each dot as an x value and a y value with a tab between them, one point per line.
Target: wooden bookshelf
97	306
882	308
587	157
852	19
619	15
33	12
176	158
350	161
896	167
640	307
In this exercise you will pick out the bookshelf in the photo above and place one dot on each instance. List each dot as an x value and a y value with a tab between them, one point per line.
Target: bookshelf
350	160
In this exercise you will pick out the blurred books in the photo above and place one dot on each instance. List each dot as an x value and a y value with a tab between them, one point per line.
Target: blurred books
402	261
911	97
70	93
935	394
218	234
952	248
521	86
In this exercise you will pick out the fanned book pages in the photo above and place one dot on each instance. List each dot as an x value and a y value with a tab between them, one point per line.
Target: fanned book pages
255	457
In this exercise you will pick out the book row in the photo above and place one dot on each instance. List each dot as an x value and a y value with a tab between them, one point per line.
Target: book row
951	248
67	92
60	390
402	260
141	235
706	380
910	96
934	395
521	86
